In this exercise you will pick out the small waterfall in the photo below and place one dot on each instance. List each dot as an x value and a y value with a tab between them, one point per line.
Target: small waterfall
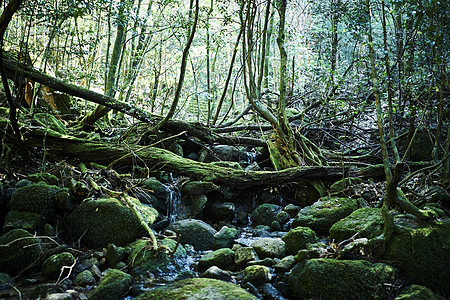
251	157
172	203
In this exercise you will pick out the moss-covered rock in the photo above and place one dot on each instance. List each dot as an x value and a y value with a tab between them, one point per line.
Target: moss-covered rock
108	220
44	177
257	274
28	221
199	187
225	237
198	288
418	292
84	278
18	250
270	247
113	286
37	198
143	259
195	232
341	279
222	258
245	254
422	252
344	183
324	213
114	255
52	267
298	238
367	221
265	214
157	188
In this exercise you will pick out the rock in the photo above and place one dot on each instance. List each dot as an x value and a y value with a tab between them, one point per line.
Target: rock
367	221
143	260
158	189
299	238
418	292
52	267
270	292
324	213
113	286
285	264
192	206
23	250
59	296
84	278
217	273
108	220
244	255
270	247
114	255
282	217
5	281
28	221
307	192
199	187
275	226
292	210
221	211
265	214
198	288
185	275
222	258
36	198
229	153
195	232
342	184
44	177
341	279
257	275
421	251
315	250
225	237
268	262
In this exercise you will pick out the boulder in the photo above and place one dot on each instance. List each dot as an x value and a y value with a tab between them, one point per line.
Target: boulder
418	292
113	286
367	221
199	187
158	189
217	273
221	211
341	279
324	213
194	232
222	258
22	251
299	238
52	267
198	288
84	278
265	214
31	222
245	254
270	247
44	177
225	237
108	220
257	275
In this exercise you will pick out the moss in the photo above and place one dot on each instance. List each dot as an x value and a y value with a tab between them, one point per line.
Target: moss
52	266
265	214
50	121
367	221
199	187
298	238
340	279
257	274
113	286
44	177
418	292
344	183
222	258
196	289
31	222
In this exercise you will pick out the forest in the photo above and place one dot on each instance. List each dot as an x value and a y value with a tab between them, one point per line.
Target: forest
224	149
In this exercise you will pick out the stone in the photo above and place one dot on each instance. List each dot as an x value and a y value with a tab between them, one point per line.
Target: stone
31	222
113	286
114	255
217	273
245	254
417	292
307	192
221	211
225	237
292	209
199	187
299	238
270	292
222	258
366	221
341	279
59	296
285	264
198	288
158	189
108	220
270	247
324	213
143	260
282	217
44	177
342	184
268	262
257	275
84	278
52	267
194	232
192	206
22	251
265	214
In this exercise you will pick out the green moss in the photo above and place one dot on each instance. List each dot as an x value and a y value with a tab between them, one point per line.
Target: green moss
113	286
196	289
31	222
418	292
222	258
340	279
257	274
52	266
298	238
367	221
44	177
344	183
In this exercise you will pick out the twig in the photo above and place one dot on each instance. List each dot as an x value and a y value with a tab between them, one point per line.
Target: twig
70	268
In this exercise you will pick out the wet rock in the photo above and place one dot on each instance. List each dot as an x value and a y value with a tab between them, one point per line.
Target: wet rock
108	220
265	214
52	267
418	292
143	259
257	275
285	264
299	238
324	213
158	189
198	288
43	290
44	177
217	273
113	286
270	247
84	278
28	221
222	258
276	226
36	198
268	262
229	153
225	237
199	187
282	217
421	251
185	275
270	292
192	206
344	183
245	254
315	250
195	232
114	255
22	250
59	296
367	221
342	279
292	210
221	211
